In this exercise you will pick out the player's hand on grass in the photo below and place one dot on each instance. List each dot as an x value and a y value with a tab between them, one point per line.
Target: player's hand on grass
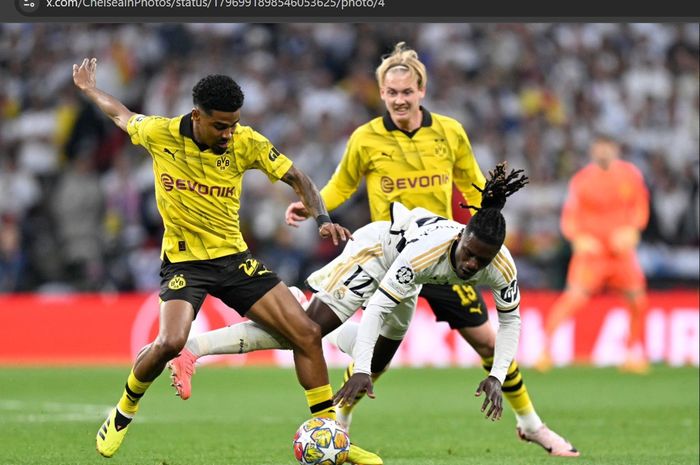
84	74
335	232
296	212
492	388
358	382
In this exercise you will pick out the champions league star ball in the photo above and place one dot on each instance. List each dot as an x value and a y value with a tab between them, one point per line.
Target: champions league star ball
321	441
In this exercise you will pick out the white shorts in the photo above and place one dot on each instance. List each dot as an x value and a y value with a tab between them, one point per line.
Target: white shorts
346	283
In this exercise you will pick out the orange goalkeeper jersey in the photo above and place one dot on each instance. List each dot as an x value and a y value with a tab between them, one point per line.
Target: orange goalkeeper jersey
600	201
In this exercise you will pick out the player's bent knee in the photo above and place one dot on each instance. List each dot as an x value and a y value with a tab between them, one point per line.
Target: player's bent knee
485	351
482	339
484	347
313	332
306	336
168	347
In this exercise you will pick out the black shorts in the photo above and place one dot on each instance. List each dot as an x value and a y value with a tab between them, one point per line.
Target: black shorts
238	280
459	305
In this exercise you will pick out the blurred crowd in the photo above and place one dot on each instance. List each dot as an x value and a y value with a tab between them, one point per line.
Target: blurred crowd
76	198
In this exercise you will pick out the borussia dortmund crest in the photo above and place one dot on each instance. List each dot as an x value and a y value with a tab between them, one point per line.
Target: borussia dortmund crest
178	282
222	163
440	148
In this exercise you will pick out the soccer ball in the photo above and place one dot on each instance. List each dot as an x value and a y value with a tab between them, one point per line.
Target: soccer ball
321	441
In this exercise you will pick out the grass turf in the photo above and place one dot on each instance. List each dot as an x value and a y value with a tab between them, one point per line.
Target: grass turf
247	416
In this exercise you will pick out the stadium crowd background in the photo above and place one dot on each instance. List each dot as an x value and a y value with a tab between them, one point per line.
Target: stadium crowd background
77	211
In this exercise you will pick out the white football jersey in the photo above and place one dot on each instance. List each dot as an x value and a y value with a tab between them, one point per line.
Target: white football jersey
398	257
385	267
425	255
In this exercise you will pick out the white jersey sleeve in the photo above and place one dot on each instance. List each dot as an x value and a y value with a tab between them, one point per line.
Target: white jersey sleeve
501	276
402	281
398	284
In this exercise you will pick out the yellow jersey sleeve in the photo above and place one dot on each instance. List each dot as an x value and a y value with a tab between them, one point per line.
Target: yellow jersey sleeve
268	159
347	176
466	170
141	128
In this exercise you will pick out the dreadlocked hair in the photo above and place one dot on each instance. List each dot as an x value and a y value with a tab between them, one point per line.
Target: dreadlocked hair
488	224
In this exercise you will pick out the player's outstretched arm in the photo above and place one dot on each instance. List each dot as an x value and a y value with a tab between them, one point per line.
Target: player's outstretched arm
313	203
84	79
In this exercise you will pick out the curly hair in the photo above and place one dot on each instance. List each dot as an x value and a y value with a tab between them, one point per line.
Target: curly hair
217	92
488	224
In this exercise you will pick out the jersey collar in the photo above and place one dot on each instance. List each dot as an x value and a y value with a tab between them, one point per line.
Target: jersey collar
426	122
186	130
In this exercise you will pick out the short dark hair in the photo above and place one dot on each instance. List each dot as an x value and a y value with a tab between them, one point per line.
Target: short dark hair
488	224
217	92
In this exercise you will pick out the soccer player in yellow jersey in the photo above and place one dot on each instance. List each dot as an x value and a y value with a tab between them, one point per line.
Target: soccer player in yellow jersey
198	161
414	156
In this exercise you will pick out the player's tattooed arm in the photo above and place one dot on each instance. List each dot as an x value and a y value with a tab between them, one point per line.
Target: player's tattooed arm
311	198
307	191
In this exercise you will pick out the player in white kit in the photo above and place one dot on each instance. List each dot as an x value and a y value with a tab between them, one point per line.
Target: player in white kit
382	270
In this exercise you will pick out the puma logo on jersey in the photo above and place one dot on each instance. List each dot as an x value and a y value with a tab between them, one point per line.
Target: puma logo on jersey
250	267
172	154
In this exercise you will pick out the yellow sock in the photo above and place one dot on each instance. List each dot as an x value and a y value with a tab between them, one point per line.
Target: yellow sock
513	388
320	401
133	391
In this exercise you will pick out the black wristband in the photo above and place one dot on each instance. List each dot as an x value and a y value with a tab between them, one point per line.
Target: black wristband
322	219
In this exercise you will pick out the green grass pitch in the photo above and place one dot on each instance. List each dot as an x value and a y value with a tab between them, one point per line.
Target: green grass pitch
247	416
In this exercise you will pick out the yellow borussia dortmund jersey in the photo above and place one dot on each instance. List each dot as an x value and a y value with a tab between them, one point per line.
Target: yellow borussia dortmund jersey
197	191
416	169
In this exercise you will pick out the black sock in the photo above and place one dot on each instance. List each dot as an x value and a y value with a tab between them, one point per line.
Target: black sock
120	421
